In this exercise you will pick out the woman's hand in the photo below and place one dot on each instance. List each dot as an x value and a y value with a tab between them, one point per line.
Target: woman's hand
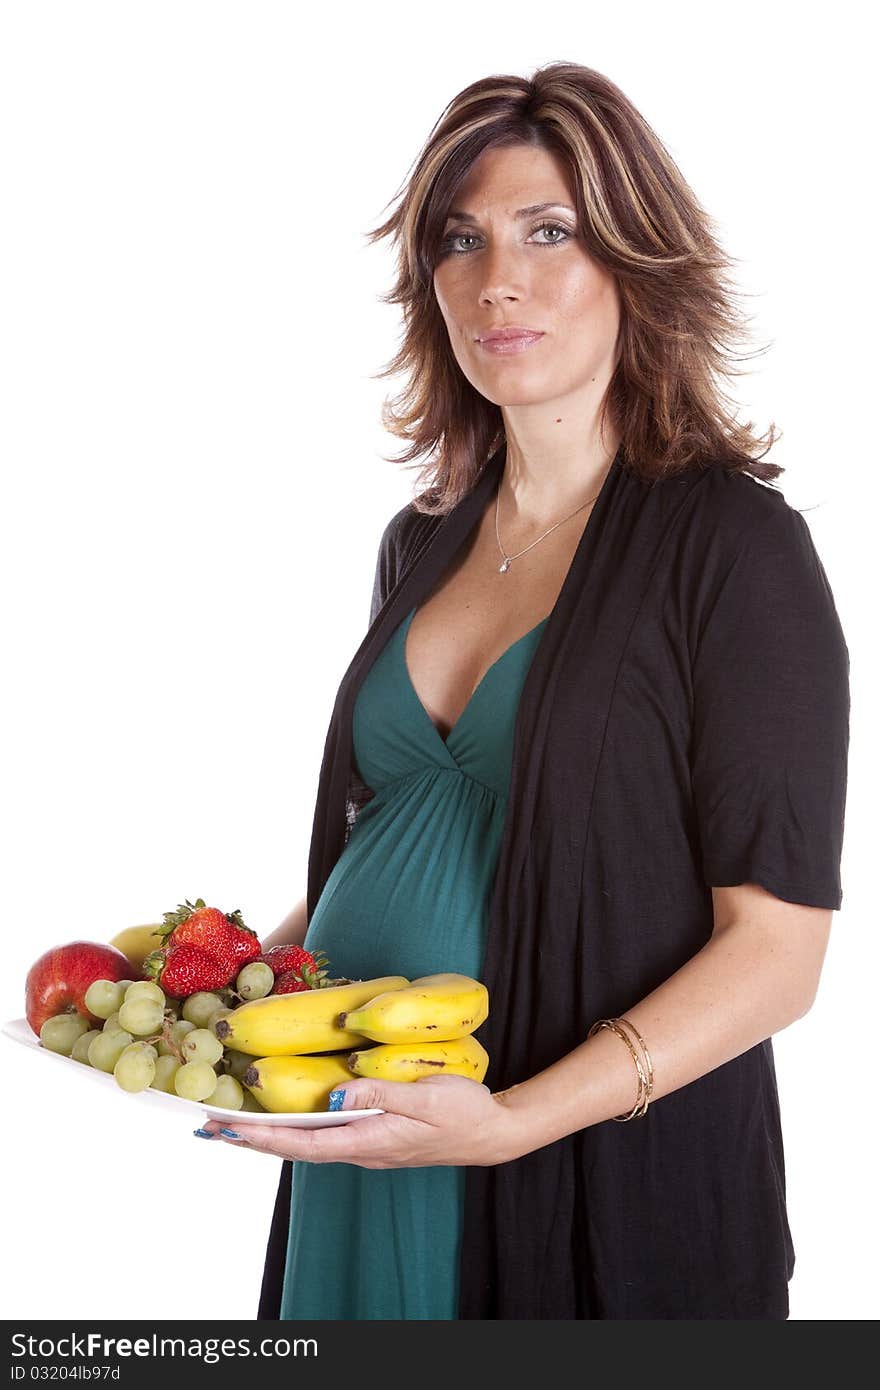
435	1120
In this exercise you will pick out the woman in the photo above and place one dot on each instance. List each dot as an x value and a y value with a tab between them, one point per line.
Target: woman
592	751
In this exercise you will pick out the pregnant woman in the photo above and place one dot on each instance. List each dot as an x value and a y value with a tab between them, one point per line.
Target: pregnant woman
592	751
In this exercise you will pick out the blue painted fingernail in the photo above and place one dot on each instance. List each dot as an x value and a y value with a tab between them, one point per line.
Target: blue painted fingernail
335	1099
230	1133
205	1133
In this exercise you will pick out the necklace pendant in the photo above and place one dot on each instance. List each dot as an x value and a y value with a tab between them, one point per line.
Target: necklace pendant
504	567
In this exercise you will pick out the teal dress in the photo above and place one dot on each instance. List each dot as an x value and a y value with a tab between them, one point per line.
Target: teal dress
409	895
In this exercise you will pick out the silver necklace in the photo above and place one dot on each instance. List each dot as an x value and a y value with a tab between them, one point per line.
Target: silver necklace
505	565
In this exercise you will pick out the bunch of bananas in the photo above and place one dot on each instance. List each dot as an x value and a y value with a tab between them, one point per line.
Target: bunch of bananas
302	1042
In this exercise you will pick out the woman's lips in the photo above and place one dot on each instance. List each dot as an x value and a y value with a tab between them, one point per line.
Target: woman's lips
503	347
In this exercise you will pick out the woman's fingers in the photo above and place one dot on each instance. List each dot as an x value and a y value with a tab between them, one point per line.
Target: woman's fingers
416	1115
352	1143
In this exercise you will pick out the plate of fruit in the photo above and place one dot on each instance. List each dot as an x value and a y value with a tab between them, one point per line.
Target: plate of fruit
192	1012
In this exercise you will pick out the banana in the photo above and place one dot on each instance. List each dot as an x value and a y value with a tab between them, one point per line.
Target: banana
434	1008
408	1061
137	942
296	1084
283	1025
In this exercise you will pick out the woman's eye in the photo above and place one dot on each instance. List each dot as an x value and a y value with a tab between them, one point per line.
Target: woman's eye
553	227
449	242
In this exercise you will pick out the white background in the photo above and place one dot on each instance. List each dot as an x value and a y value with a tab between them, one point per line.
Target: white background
194	491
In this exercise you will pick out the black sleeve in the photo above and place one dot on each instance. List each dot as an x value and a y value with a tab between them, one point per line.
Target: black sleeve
403	541
387	561
771	721
384	579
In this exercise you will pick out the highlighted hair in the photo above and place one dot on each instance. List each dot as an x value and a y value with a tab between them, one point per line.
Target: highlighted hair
637	217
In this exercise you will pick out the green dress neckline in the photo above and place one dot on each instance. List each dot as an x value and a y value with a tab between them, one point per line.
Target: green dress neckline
478	690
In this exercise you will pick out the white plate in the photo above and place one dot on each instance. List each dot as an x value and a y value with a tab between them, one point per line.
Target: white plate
20	1031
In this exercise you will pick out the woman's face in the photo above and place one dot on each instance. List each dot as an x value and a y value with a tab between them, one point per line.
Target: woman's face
498	266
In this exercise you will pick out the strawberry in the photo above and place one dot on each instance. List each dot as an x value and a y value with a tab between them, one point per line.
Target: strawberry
185	969
296	961
221	934
289	983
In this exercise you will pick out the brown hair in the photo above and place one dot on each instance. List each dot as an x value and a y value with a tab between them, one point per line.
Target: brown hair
640	220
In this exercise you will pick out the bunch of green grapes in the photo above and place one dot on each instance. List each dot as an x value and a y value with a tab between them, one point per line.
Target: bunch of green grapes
151	1040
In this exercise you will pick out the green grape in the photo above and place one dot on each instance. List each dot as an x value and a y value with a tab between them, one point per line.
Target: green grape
59	1033
202	1046
195	1081
103	998
166	1070
180	1029
135	1067
255	981
106	1049
80	1049
112	1024
146	989
228	1094
250	1101
238	1063
197	1009
125	984
140	1016
176	1029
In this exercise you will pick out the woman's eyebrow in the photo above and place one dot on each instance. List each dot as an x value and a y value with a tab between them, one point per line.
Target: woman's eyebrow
461	216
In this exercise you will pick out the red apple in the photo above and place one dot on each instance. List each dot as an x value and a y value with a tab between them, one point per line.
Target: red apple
57	982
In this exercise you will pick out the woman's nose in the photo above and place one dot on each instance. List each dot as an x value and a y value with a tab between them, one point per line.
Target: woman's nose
501	275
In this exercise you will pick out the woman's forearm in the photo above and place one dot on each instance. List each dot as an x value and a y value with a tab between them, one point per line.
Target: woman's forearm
292	930
740	988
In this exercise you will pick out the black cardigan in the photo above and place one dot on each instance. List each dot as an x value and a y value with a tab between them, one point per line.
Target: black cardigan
684	723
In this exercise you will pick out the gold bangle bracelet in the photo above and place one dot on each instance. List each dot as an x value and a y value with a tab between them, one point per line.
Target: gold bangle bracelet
645	1088
648	1063
612	1026
641	1104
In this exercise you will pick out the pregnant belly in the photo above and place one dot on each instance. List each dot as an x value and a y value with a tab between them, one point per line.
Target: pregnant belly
409	894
